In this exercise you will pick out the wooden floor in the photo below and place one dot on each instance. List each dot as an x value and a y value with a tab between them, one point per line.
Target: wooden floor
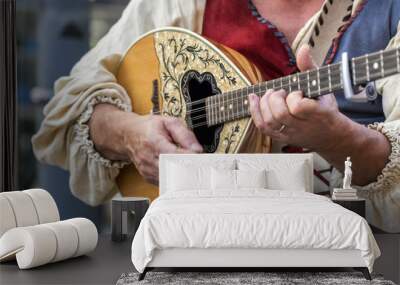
110	260
389	262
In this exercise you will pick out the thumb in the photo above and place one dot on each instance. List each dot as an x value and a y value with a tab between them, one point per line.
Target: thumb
304	58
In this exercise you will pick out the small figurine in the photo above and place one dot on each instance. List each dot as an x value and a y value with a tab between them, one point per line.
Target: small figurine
347	174
347	192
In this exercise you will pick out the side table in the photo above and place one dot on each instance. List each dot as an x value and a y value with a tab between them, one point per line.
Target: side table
126	214
356	205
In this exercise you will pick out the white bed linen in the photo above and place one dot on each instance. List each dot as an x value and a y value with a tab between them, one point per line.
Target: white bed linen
252	218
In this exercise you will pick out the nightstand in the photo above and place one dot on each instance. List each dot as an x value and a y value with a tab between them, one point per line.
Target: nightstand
126	214
356	205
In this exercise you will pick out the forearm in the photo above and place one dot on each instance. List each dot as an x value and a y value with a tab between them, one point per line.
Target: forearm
106	131
369	150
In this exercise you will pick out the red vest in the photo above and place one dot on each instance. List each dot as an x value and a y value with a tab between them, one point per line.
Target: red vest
231	23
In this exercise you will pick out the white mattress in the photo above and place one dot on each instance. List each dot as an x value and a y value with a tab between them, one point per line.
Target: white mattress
253	218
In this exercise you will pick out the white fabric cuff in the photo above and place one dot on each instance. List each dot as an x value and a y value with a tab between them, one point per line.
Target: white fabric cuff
390	175
81	128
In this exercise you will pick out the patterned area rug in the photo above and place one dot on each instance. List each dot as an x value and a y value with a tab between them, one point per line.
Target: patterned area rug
243	278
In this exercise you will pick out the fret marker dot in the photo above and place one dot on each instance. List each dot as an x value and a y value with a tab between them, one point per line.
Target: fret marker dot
230	106
314	82
375	65
245	102
222	108
294	79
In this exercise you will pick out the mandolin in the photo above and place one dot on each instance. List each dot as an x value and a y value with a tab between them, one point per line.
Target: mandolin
175	72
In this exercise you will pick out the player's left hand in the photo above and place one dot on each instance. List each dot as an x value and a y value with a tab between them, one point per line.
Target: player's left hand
296	120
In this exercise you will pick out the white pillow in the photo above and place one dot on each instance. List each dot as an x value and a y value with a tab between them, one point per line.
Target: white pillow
185	175
289	175
182	177
227	179
223	179
292	178
251	178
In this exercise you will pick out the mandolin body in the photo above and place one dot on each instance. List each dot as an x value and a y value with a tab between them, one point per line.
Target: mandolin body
168	71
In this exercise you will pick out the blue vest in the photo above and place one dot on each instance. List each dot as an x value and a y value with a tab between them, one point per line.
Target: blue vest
370	31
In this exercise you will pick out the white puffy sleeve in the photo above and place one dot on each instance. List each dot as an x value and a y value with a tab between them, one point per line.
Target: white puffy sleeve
63	138
383	195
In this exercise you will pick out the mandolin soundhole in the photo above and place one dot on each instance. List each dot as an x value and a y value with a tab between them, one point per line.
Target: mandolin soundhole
195	88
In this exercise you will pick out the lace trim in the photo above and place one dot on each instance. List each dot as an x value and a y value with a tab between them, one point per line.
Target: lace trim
390	175
81	130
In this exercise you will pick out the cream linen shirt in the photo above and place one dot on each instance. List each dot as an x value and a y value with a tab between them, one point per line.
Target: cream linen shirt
63	138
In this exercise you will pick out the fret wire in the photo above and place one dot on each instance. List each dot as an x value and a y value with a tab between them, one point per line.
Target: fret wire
319	82
353	68
367	67
398	59
308	81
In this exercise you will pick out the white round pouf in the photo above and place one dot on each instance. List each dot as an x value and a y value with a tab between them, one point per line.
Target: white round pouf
7	218
67	240
41	244
87	234
23	208
33	246
45	205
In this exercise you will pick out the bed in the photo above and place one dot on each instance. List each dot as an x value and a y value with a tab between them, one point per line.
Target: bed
246	211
